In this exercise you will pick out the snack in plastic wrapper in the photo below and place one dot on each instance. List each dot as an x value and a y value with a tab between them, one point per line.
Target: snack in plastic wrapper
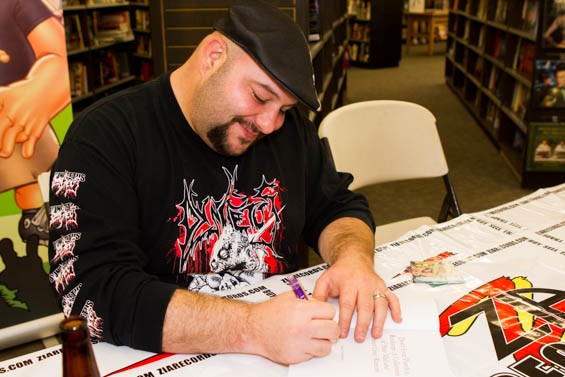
435	272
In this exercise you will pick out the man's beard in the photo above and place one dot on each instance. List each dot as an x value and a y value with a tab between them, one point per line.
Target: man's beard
217	136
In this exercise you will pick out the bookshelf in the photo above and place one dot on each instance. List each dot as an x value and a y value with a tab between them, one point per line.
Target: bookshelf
494	63
143	55
178	27
375	32
425	22
100	41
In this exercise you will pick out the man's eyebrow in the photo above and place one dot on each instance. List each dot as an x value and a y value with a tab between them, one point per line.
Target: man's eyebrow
269	89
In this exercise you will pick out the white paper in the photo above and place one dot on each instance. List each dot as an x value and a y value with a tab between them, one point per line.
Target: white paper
410	348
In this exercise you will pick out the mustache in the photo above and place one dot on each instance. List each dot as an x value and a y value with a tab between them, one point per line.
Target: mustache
248	124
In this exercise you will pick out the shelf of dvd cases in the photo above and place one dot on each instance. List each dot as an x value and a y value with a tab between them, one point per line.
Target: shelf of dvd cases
99	43
143	55
375	32
493	53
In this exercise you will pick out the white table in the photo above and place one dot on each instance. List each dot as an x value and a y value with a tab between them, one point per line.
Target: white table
507	317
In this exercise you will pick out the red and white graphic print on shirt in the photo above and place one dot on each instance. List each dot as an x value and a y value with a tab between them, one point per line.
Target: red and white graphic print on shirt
66	185
64	216
230	240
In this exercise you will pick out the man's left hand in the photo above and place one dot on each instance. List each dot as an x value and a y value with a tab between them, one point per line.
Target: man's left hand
358	287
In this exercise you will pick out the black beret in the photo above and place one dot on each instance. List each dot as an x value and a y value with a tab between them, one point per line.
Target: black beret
276	43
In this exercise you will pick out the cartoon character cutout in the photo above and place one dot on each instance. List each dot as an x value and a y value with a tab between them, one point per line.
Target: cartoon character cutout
34	88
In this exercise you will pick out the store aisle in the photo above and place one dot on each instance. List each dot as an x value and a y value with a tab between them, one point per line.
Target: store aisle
481	178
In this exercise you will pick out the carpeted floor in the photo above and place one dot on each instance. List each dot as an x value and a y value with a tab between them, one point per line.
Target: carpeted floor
481	178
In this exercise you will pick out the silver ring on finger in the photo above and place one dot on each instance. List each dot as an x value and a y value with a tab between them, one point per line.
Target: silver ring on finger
379	295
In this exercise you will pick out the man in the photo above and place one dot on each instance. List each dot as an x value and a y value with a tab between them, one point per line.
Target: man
205	178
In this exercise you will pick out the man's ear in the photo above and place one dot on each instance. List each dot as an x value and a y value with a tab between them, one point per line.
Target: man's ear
214	54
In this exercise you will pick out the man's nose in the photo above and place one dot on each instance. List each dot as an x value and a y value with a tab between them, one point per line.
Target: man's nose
269	121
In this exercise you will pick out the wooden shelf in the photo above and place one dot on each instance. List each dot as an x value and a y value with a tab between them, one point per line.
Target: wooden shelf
90	59
490	67
376	41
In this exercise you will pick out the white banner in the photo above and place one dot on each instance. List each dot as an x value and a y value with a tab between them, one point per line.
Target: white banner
507	318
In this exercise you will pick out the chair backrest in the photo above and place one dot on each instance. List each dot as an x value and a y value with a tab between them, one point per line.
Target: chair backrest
382	141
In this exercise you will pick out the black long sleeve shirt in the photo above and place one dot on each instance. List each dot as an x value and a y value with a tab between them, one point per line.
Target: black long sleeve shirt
139	206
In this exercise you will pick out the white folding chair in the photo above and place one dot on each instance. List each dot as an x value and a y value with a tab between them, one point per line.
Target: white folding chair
383	141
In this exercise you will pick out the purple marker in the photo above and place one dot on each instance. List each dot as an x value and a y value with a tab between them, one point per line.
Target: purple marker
297	288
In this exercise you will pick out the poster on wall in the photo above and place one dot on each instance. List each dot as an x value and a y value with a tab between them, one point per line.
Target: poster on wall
35	112
546	149
549	83
554	24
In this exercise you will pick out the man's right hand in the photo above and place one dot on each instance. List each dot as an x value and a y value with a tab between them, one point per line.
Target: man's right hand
283	329
289	330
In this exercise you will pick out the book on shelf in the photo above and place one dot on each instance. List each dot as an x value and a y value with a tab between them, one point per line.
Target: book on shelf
498	49
478	69
482	9
107	69
530	16
122	63
491	111
467	30
142	19
474	37
499	87
519	141
501	11
477	102
366	52
315	24
526	60
354	52
366	36
523	104
145	70
465	57
416	5
360	9
520	99
73	33
493	78
143	45
78	79
360	32
482	37
496	121
111	27
517	53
